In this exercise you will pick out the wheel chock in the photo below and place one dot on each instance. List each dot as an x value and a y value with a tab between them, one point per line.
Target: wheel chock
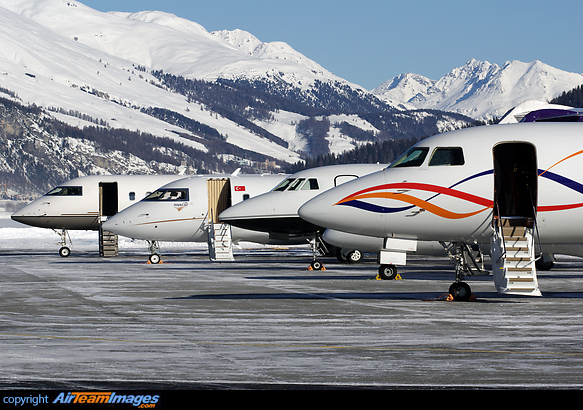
310	268
448	297
398	277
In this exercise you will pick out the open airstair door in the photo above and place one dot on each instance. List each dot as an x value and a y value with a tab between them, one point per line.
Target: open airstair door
219	234
108	206
515	203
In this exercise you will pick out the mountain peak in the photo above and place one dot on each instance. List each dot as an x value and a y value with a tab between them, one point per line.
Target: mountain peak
481	89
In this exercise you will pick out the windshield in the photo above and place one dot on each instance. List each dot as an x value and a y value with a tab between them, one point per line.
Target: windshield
67	191
294	184
168	195
412	158
284	184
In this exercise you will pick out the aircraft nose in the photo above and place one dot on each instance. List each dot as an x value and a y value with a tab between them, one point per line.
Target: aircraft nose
318	211
27	215
246	214
334	209
19	217
117	224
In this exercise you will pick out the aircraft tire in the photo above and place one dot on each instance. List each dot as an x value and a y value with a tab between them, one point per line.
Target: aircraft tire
354	256
544	265
317	265
154	258
64	251
460	291
387	272
341	258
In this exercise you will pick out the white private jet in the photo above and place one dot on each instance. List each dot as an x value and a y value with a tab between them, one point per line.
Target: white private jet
515	187
82	203
276	212
185	209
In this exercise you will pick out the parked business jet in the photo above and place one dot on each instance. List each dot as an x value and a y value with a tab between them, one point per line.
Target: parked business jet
516	187
276	212
82	203
183	210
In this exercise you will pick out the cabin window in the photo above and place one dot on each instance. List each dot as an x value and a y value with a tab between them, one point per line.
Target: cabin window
447	156
311	184
412	158
168	195
246	197
67	191
132	196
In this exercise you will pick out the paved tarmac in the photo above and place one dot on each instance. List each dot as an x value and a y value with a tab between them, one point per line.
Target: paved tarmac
266	322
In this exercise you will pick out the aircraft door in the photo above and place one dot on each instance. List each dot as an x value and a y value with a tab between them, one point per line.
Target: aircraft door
219	197
515	181
108	198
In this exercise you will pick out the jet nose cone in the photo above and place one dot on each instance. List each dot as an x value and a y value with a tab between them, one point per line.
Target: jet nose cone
118	225
317	211
26	215
18	217
337	209
248	214
109	225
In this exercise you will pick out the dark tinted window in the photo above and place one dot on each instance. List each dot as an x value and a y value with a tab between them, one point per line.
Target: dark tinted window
412	158
168	195
67	191
447	156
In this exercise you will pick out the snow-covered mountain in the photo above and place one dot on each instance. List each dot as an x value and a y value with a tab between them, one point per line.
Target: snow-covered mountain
481	90
190	100
112	69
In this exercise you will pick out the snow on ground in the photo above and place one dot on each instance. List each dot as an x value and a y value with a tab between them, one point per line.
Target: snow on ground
15	236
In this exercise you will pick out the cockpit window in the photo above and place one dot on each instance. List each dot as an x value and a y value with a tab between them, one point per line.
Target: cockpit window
447	156
67	191
293	184
296	184
311	184
168	195
284	184
412	158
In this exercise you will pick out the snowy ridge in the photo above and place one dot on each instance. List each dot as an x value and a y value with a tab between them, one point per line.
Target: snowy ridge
63	55
85	67
481	90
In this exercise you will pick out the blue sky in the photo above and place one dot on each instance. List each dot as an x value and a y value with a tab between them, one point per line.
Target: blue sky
368	42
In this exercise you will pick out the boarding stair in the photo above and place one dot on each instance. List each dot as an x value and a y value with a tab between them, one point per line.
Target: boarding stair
513	257
108	243
220	242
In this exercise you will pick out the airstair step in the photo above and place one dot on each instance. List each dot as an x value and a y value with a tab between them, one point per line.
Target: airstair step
513	257
220	243
529	280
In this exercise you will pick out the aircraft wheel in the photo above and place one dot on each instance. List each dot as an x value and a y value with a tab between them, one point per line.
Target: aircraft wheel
317	265
544	265
64	251
460	291
388	272
154	258
354	256
341	258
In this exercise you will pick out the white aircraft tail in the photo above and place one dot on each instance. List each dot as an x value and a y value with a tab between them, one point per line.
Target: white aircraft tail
220	242
513	260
